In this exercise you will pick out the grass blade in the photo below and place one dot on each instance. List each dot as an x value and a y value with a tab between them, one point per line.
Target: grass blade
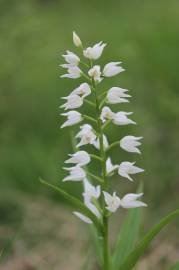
97	244
127	238
128	235
75	203
133	257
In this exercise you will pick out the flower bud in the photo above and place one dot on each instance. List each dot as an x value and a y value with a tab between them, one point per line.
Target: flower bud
76	40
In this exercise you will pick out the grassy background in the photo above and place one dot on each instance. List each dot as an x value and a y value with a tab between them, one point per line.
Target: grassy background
34	33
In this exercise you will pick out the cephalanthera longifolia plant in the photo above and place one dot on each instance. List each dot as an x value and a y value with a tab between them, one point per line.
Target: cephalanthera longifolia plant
98	202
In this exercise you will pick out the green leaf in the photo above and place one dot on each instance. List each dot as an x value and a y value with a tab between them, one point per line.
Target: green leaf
133	257
174	267
97	242
76	203
128	235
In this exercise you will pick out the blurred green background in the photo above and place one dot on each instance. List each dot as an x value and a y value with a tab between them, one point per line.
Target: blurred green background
33	35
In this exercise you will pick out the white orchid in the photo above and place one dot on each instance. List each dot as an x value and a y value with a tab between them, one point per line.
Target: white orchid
112	201
112	69
94	52
86	135
94	208
83	90
91	191
74	72
117	95
126	168
130	143
80	158
96	143
73	101
76	40
73	118
109	166
76	174
71	58
130	201
106	114
120	118
95	73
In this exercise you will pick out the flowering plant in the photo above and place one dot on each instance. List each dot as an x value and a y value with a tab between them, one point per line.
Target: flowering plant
98	202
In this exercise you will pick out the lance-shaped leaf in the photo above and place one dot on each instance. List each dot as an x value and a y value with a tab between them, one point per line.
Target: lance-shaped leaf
174	267
133	257
128	234
76	203
97	242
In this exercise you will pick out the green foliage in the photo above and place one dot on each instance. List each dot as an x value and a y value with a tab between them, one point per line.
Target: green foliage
128	235
174	267
134	256
97	244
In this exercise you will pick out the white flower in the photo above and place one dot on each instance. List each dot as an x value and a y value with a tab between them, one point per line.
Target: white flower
106	114
120	118
92	207
71	58
76	174
73	101
109	166
73	118
74	72
86	135
105	143
91	191
112	201
126	168
130	201
117	95
83	90
76	40
83	217
112	69
81	158
95	73
95	51
130	143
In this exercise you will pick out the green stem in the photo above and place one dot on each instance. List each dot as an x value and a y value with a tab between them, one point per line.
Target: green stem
90	103
89	118
106	262
106	124
112	145
85	76
95	157
95	177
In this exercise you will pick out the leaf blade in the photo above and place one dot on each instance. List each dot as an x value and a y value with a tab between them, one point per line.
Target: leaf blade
128	234
133	257
127	237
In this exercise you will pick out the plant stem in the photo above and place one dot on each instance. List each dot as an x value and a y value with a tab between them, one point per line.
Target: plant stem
106	265
89	118
95	157
112	145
